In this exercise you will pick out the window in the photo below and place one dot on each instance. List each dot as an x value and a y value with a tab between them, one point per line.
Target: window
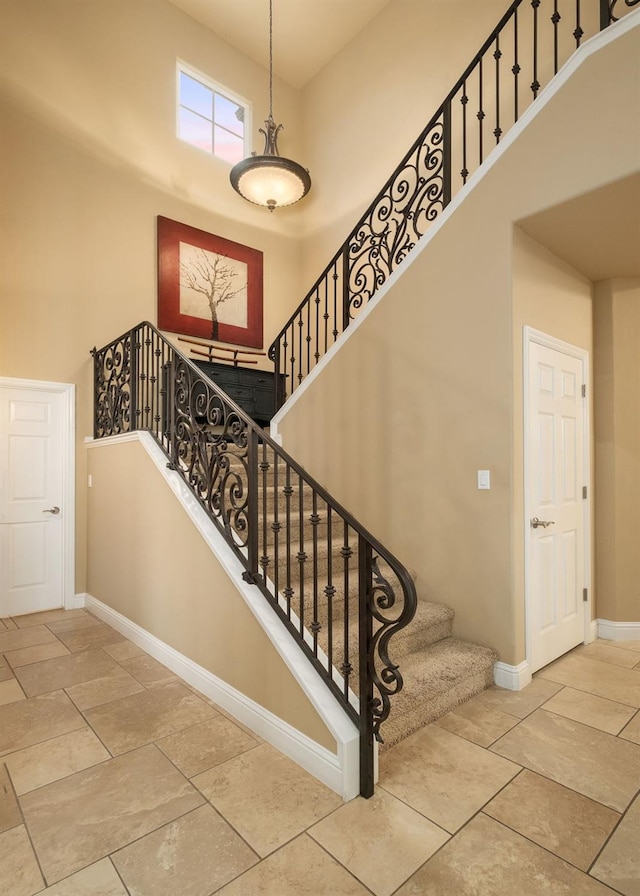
210	118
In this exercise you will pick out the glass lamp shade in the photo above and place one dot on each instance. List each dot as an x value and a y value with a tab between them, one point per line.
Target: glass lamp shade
270	180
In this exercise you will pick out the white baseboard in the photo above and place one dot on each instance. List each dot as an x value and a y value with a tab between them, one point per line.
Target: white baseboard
618	631
514	678
77	601
339	772
592	632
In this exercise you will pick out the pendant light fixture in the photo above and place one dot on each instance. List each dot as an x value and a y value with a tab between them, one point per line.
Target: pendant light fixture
270	180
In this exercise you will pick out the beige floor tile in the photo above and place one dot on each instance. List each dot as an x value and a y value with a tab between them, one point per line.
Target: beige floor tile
27	655
64	671
100	879
556	818
632	730
73	624
3	627
266	797
192	856
590	710
30	721
8	623
625	645
147	716
596	764
81	819
53	759
487	859
25	637
204	746
480	723
112	685
10	815
86	638
607	653
349	833
301	868
619	863
602	679
19	872
147	670
45	616
5	669
517	703
443	776
10	691
123	650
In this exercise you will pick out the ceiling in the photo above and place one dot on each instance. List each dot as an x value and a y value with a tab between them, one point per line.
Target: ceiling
306	33
598	234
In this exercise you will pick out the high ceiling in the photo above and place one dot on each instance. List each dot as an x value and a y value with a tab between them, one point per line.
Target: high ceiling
306	33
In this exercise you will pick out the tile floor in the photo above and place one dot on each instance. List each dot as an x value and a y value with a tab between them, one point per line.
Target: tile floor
116	778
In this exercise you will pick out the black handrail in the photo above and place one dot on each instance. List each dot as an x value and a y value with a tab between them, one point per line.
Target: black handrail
340	593
504	78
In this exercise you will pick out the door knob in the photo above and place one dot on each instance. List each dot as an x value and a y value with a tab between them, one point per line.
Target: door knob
535	522
53	510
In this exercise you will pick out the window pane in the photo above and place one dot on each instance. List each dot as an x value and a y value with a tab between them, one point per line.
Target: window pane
196	130
228	146
195	96
229	114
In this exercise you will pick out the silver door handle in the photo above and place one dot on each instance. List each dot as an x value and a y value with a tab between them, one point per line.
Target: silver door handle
53	510
535	522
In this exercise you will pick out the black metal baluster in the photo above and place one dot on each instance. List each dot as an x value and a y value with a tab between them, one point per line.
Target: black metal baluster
345	552
464	101
329	592
302	556
516	66
133	385
308	337
497	55
293	359
605	13
365	637
147	384
578	32
446	155
251	575
325	316
346	311
535	84
300	326
314	520
264	468
481	113
288	491
275	527
555	18
316	354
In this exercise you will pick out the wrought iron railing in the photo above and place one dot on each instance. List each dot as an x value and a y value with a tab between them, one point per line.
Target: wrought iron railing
522	54
337	590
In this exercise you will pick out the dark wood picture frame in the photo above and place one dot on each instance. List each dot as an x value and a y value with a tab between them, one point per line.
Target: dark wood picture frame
171	281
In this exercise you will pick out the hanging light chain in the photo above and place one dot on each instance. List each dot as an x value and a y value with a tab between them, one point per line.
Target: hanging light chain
270	58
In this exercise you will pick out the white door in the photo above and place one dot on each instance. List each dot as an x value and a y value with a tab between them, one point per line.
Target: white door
555	495
34	497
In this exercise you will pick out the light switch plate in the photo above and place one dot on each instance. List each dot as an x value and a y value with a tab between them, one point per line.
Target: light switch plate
484	479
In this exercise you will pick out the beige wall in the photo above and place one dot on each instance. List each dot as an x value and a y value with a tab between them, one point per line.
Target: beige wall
617	454
422	394
549	296
88	159
147	562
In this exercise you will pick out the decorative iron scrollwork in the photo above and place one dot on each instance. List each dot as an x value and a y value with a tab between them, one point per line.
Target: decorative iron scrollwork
387	679
113	406
614	3
398	218
210	445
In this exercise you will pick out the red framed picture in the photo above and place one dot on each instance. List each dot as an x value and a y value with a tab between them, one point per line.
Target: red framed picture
208	286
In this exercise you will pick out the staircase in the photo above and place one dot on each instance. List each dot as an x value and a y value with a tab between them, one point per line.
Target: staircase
438	671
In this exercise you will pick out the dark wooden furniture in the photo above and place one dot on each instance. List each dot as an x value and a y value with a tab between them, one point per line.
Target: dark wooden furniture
253	390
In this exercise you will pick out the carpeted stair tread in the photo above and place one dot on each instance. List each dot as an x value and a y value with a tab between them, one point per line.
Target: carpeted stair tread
437	680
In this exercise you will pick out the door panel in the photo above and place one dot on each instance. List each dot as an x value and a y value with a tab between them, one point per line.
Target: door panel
555	476
31	466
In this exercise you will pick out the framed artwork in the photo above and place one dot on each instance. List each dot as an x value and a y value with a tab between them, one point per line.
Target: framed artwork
208	286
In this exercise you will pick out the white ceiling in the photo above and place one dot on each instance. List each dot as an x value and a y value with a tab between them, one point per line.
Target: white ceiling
306	33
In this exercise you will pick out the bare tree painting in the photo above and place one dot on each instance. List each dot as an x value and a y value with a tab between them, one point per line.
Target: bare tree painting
207	282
